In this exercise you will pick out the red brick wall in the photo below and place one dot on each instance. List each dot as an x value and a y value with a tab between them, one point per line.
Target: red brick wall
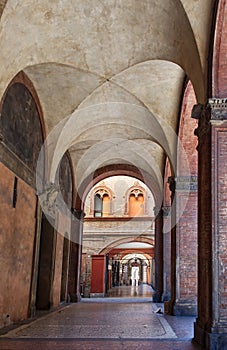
220	49
219	183
17	232
186	132
187	245
186	229
167	232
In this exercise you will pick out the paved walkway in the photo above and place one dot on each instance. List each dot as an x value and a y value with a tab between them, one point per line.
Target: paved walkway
112	323
141	291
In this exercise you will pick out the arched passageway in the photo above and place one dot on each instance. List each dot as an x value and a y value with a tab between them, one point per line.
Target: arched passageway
128	228
97	89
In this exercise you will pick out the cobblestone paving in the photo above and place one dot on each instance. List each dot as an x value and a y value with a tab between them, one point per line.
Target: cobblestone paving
64	344
105	324
99	320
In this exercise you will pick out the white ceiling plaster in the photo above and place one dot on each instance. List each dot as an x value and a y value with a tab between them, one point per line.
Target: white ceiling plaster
199	13
107	71
61	89
120	151
103	38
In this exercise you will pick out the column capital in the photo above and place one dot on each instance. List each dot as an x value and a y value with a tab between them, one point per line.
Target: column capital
166	210
157	212
187	183
48	198
78	214
172	184
218	108
215	109
203	114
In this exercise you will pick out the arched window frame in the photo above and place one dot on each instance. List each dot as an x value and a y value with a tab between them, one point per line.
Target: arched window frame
102	191
136	190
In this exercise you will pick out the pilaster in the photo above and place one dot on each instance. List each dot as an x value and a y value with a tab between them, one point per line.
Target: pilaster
168	305
211	324
218	336
183	292
185	303
166	253
157	297
75	254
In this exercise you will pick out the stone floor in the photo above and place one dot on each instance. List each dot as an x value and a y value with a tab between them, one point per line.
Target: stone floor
141	291
127	319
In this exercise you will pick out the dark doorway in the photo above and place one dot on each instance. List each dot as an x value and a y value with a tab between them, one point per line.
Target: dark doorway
46	266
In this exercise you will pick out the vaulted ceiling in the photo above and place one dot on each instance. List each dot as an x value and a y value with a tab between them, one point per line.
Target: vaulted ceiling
109	75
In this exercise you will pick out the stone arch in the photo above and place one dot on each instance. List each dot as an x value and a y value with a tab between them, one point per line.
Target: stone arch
114	244
114	170
125	253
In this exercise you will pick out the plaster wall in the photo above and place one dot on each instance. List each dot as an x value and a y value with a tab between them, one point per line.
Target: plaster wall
17	232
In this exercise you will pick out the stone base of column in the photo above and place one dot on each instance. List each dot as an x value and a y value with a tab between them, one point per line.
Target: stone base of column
180	308
217	341
185	308
157	296
168	307
199	335
97	295
74	297
214	341
165	296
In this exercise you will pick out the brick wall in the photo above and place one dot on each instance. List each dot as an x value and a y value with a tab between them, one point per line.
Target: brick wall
187	245
186	229
220	49
219	196
186	133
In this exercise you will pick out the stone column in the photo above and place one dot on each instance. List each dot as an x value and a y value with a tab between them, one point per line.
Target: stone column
169	304
75	255
211	324
185	303
157	296
166	253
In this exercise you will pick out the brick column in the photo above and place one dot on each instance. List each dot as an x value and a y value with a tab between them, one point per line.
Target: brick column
98	276
157	296
183	293
185	303
211	324
75	255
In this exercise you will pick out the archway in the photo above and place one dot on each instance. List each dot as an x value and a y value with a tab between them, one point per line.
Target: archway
105	237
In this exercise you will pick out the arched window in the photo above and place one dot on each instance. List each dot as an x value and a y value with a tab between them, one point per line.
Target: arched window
106	205
136	205
136	201
102	202
98	206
